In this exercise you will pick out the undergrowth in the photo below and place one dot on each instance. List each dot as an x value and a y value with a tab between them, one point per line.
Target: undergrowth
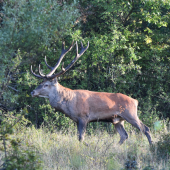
59	150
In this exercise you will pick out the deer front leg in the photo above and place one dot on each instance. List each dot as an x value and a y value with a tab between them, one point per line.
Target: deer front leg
81	128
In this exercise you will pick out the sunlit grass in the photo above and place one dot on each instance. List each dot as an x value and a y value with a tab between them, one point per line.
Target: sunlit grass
63	151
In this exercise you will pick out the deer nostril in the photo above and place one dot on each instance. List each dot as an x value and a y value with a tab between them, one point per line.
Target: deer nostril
32	93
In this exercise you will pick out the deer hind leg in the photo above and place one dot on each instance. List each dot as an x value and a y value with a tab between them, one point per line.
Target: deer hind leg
146	131
142	127
122	132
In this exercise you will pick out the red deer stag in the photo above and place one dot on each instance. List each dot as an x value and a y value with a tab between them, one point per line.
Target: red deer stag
83	106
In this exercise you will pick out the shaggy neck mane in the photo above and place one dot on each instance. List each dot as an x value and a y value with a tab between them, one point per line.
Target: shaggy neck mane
65	93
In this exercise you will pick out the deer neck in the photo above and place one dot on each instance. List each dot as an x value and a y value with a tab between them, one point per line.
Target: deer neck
60	96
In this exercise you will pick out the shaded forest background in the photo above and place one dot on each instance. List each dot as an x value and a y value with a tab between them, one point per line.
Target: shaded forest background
129	53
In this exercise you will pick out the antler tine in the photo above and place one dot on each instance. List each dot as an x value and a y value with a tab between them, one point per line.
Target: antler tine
77	49
47	64
81	52
62	67
39	69
83	49
63	53
35	74
73	61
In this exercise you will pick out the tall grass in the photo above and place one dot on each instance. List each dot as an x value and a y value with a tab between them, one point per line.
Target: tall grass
63	151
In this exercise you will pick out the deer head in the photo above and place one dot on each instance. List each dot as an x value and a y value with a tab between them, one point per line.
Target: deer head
50	80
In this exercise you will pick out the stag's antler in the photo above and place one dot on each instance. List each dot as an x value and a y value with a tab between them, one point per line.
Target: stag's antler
63	53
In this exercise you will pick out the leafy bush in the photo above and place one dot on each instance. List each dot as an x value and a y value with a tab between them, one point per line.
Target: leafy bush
161	148
15	155
30	30
22	158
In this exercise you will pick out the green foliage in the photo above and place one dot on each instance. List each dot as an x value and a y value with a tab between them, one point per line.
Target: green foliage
15	156
30	30
58	151
130	49
161	148
128	53
22	158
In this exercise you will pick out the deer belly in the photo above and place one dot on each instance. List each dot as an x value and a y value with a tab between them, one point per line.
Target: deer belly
112	115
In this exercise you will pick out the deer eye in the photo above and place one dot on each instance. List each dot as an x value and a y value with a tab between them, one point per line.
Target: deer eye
45	85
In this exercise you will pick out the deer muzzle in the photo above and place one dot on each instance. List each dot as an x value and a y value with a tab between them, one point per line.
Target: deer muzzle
33	93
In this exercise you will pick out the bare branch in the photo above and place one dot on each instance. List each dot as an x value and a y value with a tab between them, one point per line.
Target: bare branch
13	89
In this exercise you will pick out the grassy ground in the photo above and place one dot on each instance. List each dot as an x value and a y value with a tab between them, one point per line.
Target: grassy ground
63	151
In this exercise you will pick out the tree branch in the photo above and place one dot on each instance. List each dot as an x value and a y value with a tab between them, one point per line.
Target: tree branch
126	18
13	89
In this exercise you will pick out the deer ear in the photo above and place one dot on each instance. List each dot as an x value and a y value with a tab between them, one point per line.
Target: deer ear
54	81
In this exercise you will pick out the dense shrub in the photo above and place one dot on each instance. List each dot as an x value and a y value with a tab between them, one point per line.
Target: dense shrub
161	148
